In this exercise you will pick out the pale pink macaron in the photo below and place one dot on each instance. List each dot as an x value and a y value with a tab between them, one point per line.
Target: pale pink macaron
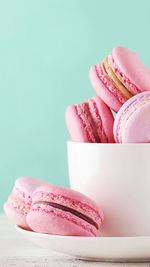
61	211
132	123
119	76
91	121
19	202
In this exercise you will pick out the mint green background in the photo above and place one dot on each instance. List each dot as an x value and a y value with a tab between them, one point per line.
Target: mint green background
46	50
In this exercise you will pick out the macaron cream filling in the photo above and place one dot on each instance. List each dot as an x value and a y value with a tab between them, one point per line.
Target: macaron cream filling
107	81
112	76
132	88
128	112
93	212
70	210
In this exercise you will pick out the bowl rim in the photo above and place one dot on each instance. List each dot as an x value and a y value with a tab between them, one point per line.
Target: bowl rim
70	142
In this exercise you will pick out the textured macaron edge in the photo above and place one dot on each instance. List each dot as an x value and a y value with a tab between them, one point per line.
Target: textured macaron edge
126	111
16	215
130	69
107	118
42	212
77	129
90	121
19	201
122	77
69	198
105	88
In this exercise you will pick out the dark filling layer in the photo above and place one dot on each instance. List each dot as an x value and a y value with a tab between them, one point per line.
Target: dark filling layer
74	212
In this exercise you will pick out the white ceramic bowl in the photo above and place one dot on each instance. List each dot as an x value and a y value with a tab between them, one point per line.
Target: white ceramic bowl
117	177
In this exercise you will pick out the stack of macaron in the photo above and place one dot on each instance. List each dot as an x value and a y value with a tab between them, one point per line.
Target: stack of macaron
122	83
41	207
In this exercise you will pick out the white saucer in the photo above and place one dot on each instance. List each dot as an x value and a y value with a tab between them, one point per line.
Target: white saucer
94	248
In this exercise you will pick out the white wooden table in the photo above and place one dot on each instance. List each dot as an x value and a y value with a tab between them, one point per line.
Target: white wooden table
15	250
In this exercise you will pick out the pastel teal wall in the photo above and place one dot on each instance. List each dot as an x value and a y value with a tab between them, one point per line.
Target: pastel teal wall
46	50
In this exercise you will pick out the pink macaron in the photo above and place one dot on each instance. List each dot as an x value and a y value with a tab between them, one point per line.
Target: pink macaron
119	76
91	121
61	211
19	202
132	123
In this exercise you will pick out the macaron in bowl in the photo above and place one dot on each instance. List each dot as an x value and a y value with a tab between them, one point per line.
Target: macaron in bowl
132	123
91	121
62	211
19	202
119	76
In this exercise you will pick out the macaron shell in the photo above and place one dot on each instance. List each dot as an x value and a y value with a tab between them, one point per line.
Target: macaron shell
75	126
106	117
131	66
16	216
91	121
137	127
72	213
106	95
27	184
119	117
132	121
68	193
50	223
71	199
19	201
